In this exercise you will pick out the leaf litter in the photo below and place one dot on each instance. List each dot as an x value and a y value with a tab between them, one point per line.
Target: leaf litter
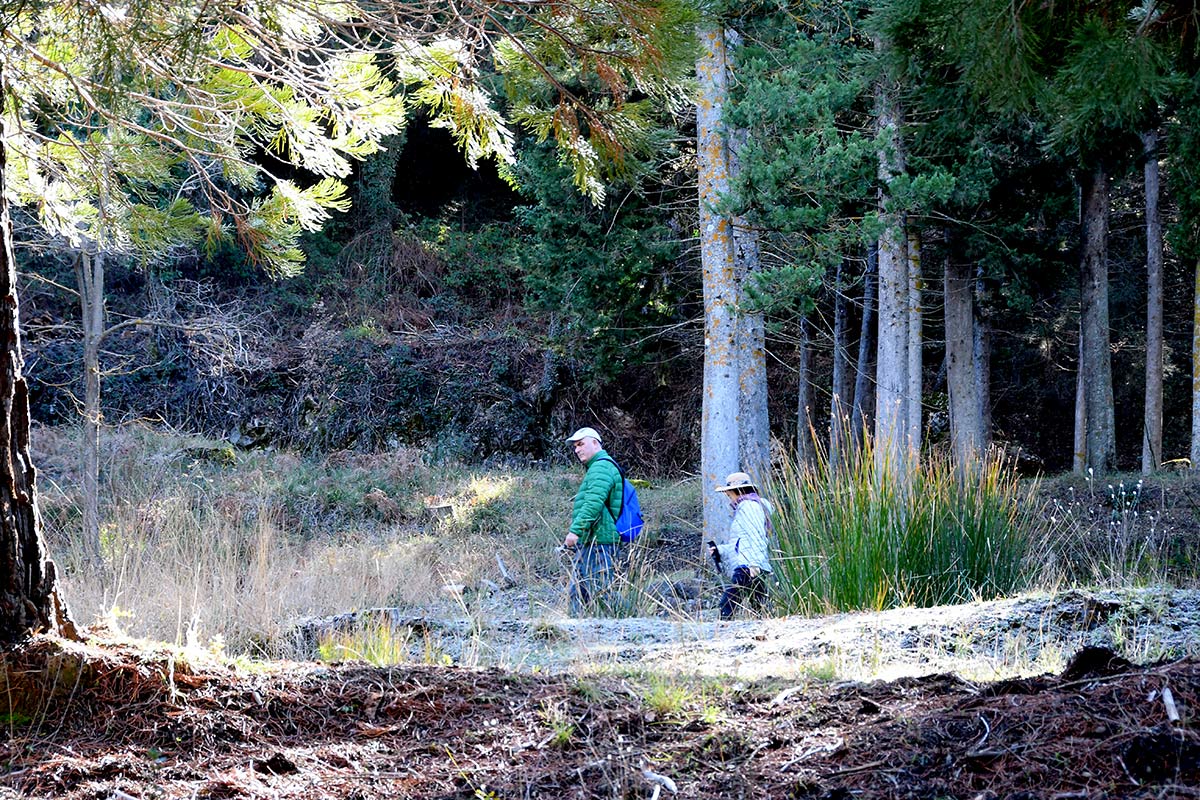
111	721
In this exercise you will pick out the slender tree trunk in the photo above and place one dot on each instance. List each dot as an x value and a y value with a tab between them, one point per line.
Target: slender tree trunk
1195	449
862	417
1152	427
966	414
843	390
754	425
806	451
891	368
1079	461
915	367
29	600
983	360
720	405
89	278
1096	362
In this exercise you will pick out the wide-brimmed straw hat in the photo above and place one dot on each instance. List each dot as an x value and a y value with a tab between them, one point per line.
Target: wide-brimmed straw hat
737	480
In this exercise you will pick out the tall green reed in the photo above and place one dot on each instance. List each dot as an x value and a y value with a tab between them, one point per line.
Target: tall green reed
863	537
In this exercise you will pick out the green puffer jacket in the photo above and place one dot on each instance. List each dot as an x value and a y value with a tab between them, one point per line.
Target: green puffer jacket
591	521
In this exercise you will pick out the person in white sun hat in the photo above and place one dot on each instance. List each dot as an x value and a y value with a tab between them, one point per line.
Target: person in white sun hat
745	558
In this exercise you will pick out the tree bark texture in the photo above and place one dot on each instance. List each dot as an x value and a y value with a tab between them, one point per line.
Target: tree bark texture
891	369
1195	449
915	367
720	404
806	451
862	416
89	279
983	359
843	390
1079	460
1096	362
28	601
1153	422
754	425
966	413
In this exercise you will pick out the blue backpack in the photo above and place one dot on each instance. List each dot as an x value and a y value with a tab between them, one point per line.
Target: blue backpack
629	521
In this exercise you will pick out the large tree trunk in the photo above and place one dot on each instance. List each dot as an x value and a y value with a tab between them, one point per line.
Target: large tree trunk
891	369
806	450
843	389
862	417
915	368
1096	358
754	425
1152	426
720	404
966	413
89	279
28	599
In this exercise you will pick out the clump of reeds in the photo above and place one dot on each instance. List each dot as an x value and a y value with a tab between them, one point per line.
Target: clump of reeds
868	537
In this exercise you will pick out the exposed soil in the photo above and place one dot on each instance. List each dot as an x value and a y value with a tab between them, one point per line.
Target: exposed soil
130	722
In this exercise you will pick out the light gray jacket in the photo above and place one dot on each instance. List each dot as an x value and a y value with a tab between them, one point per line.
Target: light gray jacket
747	545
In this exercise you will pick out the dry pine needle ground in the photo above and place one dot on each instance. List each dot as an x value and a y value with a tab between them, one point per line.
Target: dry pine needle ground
113	721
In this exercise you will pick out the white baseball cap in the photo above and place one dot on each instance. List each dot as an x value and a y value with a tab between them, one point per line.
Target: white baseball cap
584	433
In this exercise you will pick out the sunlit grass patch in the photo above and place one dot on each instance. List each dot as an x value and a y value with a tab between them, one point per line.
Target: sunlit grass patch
380	645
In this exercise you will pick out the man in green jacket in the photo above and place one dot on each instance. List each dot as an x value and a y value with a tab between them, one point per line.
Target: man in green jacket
593	532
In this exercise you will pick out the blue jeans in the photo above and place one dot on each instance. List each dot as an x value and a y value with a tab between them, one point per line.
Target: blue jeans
744	587
591	577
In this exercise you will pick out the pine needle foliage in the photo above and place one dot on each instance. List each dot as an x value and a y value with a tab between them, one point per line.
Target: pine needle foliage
253	115
860	538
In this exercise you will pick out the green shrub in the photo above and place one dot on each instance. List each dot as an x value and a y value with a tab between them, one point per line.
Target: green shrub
861	538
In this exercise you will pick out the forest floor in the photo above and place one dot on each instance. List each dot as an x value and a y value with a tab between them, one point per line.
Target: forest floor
749	709
1066	695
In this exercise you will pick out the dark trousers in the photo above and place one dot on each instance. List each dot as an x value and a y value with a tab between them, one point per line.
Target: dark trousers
591	577
743	588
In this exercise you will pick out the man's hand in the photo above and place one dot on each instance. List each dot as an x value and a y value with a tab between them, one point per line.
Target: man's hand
713	552
571	540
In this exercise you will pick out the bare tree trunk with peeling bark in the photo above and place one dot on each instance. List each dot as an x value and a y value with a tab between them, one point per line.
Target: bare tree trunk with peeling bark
722	365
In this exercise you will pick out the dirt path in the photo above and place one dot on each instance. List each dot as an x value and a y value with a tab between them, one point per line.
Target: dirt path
1035	634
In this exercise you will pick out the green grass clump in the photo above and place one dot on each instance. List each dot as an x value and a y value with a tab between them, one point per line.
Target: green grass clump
668	699
861	538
